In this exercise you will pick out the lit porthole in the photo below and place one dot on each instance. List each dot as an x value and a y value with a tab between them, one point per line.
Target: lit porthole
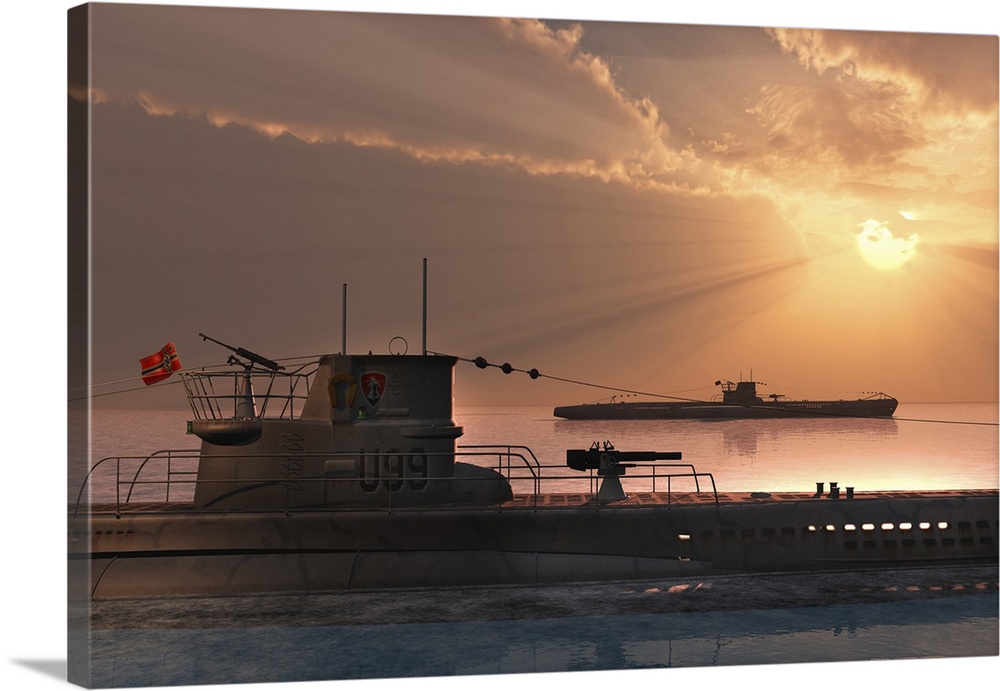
887	526
868	526
850	527
682	536
830	528
905	526
924	525
943	525
811	529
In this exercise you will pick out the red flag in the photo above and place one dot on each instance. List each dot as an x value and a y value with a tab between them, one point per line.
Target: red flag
161	365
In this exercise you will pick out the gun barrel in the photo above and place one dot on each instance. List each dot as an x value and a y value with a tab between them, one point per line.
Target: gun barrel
248	354
582	459
259	359
209	338
646	455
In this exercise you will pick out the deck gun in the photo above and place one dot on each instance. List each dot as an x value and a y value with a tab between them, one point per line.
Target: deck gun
253	357
611	463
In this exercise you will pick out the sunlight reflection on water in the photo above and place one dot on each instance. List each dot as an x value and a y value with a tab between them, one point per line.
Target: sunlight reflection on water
780	455
742	455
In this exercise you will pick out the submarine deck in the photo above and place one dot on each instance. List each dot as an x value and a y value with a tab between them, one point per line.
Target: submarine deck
588	500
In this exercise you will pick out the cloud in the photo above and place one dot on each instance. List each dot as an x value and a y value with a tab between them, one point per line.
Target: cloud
815	124
507	92
555	99
911	115
254	237
942	73
313	149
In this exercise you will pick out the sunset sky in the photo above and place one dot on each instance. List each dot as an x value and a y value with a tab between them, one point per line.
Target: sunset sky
647	206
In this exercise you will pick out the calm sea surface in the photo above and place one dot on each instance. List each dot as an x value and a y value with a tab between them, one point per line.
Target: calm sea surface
926	446
953	627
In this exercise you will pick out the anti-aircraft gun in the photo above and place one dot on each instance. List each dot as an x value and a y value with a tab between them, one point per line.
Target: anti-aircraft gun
216	420
252	357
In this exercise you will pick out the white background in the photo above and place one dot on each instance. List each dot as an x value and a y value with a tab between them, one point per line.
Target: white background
34	341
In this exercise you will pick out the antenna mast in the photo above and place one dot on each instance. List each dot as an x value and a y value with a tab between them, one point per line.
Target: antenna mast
424	313
343	324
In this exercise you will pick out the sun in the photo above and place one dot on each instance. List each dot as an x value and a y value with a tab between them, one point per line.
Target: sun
882	249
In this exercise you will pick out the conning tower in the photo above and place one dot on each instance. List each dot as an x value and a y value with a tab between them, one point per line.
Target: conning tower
357	430
739	393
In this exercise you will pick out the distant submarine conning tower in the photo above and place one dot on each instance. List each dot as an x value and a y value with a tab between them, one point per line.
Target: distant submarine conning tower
371	431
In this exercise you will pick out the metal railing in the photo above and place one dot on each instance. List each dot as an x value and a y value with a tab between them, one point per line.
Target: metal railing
169	456
516	465
507	452
242	394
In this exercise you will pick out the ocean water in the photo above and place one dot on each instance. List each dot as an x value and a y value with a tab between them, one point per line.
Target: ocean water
925	446
954	627
782	455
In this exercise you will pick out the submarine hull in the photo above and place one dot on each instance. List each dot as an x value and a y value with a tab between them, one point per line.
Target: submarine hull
879	408
246	552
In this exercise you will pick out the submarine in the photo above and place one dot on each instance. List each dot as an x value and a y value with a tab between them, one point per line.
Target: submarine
740	401
349	474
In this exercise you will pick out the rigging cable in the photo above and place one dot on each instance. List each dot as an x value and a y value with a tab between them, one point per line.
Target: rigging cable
507	368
